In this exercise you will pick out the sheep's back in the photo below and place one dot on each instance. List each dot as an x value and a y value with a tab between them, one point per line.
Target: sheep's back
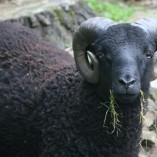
26	62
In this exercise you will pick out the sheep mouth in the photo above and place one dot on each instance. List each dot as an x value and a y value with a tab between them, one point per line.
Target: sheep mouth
126	98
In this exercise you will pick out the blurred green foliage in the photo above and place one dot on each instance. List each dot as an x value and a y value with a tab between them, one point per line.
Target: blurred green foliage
114	11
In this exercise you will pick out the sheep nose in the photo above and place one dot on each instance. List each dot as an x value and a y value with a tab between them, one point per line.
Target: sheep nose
127	82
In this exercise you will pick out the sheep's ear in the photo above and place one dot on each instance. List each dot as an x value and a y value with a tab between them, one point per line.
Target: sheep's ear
149	25
92	48
86	34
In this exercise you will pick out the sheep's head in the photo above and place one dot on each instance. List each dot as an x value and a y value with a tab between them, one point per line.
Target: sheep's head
117	57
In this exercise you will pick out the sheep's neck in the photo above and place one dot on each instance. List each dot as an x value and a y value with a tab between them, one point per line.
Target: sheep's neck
129	126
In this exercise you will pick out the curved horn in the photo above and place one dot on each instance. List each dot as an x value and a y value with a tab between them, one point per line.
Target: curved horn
149	25
86	34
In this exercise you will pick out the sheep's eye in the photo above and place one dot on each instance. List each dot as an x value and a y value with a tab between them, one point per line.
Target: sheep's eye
149	55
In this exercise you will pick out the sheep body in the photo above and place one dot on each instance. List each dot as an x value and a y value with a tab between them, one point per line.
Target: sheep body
26	63
48	110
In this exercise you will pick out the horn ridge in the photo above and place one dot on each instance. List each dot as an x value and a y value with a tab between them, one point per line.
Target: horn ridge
85	35
149	25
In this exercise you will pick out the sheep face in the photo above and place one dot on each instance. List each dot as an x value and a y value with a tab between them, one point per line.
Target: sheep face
125	55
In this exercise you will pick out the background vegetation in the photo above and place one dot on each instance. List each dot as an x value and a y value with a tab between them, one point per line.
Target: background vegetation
116	11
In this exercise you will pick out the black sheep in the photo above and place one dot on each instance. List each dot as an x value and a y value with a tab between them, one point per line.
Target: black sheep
47	109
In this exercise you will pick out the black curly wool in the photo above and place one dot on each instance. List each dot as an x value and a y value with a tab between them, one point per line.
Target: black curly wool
48	110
